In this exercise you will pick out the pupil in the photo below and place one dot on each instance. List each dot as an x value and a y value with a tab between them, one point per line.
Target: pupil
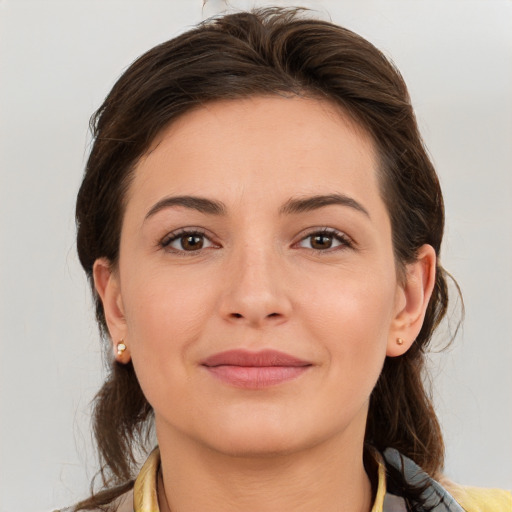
192	242
322	241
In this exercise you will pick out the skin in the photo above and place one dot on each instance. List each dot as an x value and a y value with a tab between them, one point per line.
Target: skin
261	281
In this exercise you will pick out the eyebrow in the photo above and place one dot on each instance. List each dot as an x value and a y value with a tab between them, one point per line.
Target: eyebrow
307	204
299	205
201	204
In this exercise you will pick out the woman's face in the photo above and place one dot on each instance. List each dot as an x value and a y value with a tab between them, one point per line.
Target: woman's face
256	289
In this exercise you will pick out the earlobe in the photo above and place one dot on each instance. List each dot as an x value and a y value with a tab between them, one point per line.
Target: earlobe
106	282
414	297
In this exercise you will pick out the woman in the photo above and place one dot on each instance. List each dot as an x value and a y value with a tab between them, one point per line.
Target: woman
261	225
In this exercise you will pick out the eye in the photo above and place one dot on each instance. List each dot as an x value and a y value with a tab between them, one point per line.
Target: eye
325	239
186	241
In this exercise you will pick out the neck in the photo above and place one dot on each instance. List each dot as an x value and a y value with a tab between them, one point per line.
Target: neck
329	477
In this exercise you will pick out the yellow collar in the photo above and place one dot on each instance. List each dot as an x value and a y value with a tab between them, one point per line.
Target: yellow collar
144	491
145	495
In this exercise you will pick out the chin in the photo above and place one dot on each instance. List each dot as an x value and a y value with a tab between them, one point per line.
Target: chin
261	436
264	445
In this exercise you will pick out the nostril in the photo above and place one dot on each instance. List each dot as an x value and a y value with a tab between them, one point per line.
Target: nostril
272	314
236	315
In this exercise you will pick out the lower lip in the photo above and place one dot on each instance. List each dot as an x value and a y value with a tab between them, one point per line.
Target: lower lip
256	377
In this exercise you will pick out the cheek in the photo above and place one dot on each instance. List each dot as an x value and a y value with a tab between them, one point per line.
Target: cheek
164	316
351	303
352	321
164	320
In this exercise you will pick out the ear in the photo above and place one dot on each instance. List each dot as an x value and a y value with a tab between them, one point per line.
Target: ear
106	282
412	300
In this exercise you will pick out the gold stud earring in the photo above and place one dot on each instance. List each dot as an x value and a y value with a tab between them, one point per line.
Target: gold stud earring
121	347
400	341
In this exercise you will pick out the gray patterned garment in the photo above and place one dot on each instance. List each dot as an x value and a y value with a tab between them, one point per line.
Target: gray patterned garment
436	497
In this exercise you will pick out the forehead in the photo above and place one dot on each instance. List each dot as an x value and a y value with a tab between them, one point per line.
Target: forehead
263	146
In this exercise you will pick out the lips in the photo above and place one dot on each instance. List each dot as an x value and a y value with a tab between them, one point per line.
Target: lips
255	370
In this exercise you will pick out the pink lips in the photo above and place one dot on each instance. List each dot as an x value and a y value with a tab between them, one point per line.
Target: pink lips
255	370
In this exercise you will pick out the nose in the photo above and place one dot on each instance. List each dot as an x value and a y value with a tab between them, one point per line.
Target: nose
255	292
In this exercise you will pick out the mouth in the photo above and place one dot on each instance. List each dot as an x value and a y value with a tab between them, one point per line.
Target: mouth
255	370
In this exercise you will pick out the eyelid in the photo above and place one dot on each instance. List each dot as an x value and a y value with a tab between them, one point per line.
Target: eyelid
170	237
164	243
346	240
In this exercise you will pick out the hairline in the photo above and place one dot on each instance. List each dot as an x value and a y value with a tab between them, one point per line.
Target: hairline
344	110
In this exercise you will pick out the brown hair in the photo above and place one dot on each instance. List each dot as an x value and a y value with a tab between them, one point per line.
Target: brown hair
271	51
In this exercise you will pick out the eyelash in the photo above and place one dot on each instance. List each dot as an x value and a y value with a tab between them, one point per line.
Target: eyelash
182	233
345	241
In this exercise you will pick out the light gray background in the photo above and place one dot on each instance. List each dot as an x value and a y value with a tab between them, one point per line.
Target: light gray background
58	59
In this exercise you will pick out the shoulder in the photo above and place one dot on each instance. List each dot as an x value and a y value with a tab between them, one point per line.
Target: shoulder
443	494
477	499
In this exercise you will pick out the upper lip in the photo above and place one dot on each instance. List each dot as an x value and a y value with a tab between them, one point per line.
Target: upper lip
262	358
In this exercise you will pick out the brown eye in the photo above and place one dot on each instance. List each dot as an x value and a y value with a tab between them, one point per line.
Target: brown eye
191	242
187	241
325	240
321	241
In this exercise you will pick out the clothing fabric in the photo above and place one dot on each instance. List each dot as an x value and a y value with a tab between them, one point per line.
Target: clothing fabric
438	498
